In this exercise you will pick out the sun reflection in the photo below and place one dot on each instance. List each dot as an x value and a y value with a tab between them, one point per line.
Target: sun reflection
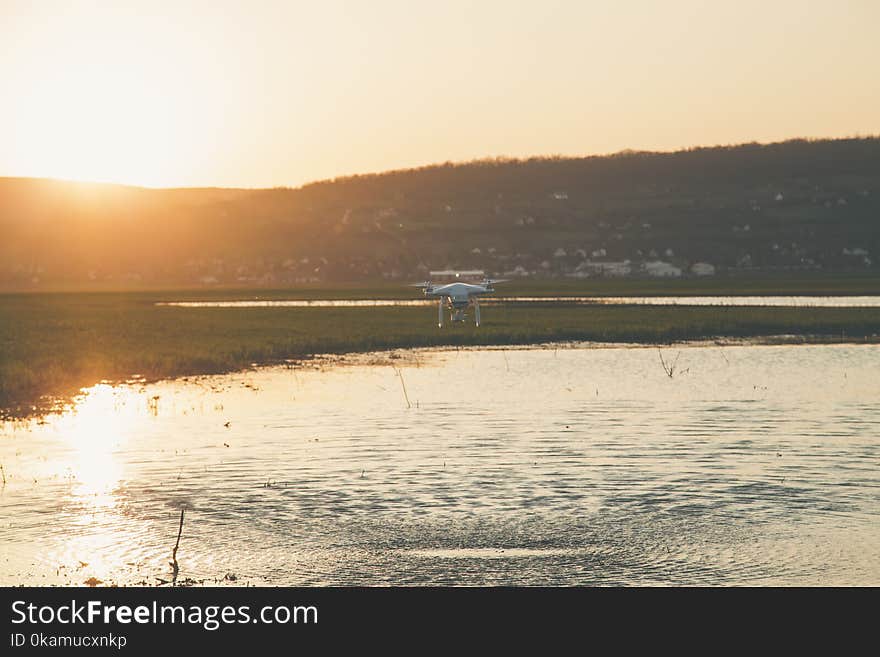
98	427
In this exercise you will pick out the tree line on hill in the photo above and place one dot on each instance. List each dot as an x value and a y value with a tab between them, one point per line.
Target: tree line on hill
789	206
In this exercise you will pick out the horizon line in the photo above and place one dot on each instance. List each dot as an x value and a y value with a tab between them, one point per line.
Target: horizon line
422	167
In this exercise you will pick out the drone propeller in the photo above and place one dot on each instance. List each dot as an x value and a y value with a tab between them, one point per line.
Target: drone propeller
491	281
427	286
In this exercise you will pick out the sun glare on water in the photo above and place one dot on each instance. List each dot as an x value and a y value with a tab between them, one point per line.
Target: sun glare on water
98	428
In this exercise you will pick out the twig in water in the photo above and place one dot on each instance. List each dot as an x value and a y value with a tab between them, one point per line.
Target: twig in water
669	369
402	385
174	567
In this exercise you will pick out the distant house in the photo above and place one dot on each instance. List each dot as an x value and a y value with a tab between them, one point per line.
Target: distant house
560	196
519	270
589	268
661	269
703	269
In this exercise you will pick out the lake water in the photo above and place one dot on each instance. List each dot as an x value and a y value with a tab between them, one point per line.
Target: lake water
576	465
785	301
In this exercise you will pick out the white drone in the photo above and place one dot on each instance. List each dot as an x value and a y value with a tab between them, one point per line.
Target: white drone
458	295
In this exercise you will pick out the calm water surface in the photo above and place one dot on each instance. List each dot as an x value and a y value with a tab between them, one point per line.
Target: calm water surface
578	466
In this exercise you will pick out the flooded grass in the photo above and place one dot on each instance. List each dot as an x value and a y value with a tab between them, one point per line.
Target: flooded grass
51	345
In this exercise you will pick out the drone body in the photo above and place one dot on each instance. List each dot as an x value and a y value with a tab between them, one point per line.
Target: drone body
458	296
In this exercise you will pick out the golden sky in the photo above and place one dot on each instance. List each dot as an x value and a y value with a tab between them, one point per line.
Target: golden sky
265	93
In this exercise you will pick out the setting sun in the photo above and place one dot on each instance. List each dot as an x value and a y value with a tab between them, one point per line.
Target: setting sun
110	95
117	131
217	94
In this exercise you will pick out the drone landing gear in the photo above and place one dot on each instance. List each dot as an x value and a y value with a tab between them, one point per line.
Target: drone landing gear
457	314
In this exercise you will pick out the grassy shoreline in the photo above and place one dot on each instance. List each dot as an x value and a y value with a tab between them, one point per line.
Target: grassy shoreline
51	345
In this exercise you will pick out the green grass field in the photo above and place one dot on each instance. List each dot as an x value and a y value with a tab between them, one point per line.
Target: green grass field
51	345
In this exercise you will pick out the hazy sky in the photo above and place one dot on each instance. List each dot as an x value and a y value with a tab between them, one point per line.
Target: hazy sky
266	93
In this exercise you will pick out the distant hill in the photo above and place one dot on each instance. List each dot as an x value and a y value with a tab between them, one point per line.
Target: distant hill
791	206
